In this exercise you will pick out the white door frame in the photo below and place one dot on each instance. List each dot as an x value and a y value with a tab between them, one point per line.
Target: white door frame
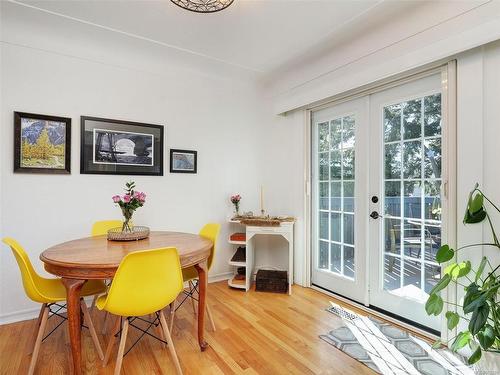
449	168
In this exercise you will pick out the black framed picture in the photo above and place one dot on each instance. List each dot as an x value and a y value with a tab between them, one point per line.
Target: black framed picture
42	143
183	161
120	147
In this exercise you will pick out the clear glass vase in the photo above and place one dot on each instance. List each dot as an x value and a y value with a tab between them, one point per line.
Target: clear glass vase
127	225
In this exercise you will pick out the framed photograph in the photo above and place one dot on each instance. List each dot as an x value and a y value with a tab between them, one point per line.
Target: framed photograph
42	144
120	147
183	161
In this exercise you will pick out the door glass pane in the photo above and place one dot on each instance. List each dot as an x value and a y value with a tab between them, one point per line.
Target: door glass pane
323	254
348	196
336	227
412	119
393	161
323	164
336	258
432	115
336	196
323	225
392	198
336	202
349	229
323	195
412	196
392	273
392	238
392	123
412	159
349	261
432	158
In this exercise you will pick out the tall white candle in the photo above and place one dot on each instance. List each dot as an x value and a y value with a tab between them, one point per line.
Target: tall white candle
261	199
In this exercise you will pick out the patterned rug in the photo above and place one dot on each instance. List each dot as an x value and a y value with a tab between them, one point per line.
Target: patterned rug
389	350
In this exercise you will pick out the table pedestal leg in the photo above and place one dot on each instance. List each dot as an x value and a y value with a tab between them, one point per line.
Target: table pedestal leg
203	280
73	289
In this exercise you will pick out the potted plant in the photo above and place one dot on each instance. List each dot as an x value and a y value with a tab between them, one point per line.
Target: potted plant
128	203
480	307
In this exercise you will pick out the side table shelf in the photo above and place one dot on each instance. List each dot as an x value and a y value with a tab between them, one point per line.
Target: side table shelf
285	230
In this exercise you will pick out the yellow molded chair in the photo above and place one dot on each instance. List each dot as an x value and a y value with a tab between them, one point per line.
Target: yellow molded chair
101	227
145	283
49	292
190	275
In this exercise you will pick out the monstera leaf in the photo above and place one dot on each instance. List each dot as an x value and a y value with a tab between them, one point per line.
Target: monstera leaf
475	212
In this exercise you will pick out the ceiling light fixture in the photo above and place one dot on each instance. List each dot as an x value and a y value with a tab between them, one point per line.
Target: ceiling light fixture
203	6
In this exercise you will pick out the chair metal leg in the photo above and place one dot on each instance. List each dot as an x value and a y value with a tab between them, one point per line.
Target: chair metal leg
191	289
121	348
111	343
88	320
210	318
35	330
170	343
38	341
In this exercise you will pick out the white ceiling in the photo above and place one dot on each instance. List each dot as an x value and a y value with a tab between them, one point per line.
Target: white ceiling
259	35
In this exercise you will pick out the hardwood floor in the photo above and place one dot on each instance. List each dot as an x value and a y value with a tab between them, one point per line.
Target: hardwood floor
257	333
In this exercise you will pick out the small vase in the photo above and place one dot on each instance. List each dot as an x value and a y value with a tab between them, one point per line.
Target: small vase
127	225
236	210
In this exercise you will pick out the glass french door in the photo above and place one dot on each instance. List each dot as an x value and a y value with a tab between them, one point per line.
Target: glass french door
405	224
339	173
376	198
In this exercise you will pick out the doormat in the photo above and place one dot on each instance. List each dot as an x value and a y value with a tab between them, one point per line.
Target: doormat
388	349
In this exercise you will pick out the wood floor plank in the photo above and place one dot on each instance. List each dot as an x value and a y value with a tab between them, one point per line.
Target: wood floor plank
257	334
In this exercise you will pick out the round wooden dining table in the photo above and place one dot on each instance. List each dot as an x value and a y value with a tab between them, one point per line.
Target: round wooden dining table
94	258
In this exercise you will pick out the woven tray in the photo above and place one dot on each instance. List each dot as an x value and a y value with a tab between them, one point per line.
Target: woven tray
261	222
137	233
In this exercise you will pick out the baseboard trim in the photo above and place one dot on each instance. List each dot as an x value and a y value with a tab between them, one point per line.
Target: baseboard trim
32	313
18	316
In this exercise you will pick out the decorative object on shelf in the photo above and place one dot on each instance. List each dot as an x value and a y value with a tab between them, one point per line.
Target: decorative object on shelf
134	234
203	6
235	200
271	281
42	144
128	203
183	161
481	302
239	255
120	147
240	237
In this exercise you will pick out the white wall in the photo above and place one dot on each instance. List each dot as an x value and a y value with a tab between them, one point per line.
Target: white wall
208	112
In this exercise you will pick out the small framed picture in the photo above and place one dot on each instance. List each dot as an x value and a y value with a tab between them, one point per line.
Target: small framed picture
42	144
120	147
183	161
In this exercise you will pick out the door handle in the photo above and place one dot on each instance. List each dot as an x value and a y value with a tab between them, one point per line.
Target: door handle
375	215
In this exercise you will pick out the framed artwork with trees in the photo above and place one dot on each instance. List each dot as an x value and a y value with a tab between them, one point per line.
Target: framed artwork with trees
42	144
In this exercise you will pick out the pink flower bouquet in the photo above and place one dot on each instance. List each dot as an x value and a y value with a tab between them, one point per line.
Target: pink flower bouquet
128	203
